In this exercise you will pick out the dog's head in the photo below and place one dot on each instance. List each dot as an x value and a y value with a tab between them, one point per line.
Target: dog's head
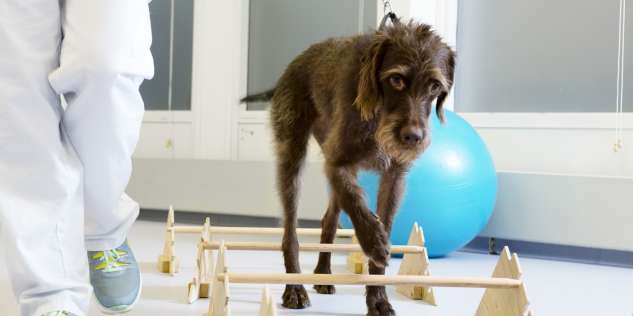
405	68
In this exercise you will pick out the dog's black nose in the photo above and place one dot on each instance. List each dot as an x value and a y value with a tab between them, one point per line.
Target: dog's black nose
411	135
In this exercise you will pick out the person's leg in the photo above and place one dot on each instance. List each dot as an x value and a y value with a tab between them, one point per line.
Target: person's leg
41	202
105	56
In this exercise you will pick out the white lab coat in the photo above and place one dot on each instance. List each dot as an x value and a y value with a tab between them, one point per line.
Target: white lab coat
60	166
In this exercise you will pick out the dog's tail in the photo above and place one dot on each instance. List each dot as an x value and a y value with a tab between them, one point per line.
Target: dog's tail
259	97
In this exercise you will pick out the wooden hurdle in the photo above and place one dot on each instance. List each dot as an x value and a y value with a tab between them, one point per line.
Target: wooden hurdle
169	263
275	246
505	293
357	261
415	262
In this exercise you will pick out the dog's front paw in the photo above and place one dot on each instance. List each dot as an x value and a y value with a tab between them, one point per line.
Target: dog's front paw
378	303
295	297
324	269
382	308
325	289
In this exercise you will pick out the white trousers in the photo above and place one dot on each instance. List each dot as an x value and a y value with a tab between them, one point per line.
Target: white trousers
63	170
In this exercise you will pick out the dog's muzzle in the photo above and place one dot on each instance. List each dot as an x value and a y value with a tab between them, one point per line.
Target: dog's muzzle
411	136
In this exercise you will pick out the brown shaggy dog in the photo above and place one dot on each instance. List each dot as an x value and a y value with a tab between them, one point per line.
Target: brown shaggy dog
366	99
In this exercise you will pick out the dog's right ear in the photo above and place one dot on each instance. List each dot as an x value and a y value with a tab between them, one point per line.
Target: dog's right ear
448	73
369	96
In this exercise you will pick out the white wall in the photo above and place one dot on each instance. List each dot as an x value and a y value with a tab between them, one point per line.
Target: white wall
571	210
219	128
586	149
565	143
569	143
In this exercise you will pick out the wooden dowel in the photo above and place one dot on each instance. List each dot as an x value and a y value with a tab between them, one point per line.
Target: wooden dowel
367	279
275	246
257	231
187	229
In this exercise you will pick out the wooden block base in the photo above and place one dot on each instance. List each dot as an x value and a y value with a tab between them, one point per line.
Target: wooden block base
198	290
356	261
204	290
168	265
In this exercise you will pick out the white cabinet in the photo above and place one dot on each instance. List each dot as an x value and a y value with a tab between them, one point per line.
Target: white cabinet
166	141
255	143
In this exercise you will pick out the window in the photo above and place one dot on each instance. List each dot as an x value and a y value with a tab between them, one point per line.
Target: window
172	32
540	56
281	29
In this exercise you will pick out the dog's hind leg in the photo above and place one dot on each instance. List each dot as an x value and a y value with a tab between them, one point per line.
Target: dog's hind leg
328	232
292	131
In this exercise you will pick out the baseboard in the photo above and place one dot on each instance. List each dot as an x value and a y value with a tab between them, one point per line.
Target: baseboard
196	218
527	249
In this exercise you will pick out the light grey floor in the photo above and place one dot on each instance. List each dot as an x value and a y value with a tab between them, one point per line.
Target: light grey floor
554	288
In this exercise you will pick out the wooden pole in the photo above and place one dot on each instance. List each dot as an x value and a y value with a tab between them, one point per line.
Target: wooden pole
187	229
369	279
169	263
274	246
258	231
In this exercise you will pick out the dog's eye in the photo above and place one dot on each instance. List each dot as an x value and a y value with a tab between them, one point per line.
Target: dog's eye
435	87
397	82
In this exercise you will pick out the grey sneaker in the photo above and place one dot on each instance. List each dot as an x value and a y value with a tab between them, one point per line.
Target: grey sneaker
116	279
58	313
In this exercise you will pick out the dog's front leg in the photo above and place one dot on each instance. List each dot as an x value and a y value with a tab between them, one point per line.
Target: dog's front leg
369	230
392	187
389	196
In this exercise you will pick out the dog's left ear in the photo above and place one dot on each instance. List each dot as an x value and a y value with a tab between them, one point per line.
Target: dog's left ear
369	96
448	71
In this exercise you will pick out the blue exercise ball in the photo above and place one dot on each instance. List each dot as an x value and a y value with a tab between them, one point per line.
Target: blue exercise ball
451	189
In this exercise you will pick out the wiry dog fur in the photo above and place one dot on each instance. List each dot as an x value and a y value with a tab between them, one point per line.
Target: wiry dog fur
366	99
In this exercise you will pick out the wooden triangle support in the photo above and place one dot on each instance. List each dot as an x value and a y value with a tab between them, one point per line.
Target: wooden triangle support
199	286
356	261
505	302
219	302
167	261
416	264
267	307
